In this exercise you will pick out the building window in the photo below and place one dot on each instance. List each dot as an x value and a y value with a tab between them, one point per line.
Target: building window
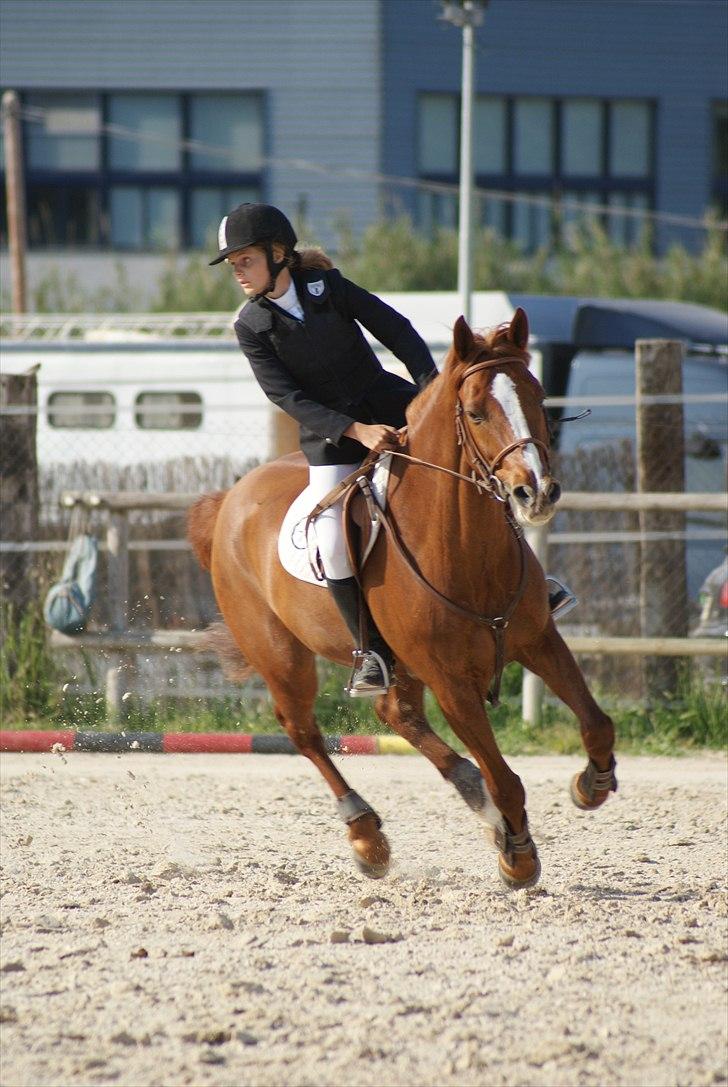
231	123
720	158
144	217
63	215
544	152
533	136
438	134
168	411
490	150
82	410
138	171
145	132
630	148
581	138
65	135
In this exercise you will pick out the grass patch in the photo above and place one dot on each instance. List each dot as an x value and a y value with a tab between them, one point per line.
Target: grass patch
693	719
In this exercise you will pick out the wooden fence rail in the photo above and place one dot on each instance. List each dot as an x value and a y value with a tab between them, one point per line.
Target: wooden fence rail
119	644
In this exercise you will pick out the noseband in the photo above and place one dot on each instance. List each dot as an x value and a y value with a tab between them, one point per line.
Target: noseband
485	470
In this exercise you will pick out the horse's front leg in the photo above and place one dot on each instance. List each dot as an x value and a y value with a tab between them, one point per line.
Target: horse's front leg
518	861
552	659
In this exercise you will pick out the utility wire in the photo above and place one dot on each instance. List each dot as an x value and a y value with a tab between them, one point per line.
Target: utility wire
37	115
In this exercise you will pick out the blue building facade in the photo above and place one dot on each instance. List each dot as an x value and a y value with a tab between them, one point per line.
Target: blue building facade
620	104
145	120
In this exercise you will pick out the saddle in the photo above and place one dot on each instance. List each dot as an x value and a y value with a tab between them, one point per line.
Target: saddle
297	549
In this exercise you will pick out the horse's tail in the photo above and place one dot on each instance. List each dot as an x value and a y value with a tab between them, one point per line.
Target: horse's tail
218	639
201	518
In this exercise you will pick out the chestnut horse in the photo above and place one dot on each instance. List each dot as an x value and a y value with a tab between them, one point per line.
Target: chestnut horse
452	586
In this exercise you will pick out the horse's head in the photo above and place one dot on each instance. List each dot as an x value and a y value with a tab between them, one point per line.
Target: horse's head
501	420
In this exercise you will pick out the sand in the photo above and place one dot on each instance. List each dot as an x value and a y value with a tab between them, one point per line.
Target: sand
197	919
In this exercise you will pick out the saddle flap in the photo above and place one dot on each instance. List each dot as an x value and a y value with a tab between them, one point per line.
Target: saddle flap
299	556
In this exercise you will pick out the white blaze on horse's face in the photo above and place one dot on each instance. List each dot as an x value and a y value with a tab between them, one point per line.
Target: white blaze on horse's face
504	391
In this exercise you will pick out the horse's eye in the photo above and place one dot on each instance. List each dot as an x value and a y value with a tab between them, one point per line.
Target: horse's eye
475	416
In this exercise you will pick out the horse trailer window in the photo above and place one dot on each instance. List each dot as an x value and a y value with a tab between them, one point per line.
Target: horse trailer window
81	410
168	411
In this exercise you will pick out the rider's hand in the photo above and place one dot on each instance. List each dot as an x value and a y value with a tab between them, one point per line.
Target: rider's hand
374	436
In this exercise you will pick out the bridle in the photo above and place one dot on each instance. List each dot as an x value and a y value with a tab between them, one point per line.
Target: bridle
486	471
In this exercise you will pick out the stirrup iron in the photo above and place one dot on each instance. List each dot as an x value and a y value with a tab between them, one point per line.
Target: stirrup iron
360	659
561	598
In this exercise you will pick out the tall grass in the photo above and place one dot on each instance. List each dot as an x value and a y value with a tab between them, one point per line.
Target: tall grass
392	255
30	684
693	718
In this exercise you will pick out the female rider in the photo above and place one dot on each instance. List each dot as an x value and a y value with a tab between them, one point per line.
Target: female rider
300	334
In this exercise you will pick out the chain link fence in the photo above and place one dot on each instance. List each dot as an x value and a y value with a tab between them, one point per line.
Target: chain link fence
206	426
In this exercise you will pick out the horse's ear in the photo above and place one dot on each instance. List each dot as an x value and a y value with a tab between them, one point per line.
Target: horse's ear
519	329
463	339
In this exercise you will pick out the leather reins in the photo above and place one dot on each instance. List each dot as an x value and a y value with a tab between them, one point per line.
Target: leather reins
484	479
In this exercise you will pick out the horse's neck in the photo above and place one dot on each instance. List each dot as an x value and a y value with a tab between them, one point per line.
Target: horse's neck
471	525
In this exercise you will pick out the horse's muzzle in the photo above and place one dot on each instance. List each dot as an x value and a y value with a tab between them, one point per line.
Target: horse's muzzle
535	506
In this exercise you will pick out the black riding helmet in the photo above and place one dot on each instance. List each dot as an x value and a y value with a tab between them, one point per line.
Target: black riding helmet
256	224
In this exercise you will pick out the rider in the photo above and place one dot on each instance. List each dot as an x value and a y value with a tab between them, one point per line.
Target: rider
300	334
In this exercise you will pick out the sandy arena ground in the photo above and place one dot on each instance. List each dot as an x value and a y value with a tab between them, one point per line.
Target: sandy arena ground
186	919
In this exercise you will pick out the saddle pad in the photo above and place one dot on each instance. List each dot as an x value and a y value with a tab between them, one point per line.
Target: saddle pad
295	556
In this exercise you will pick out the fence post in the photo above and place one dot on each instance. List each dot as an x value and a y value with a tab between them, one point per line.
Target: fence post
532	689
661	467
15	197
117	557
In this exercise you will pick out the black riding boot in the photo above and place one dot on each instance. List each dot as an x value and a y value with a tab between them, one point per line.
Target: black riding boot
372	673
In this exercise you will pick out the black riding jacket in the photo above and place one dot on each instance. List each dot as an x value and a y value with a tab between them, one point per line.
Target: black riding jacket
322	371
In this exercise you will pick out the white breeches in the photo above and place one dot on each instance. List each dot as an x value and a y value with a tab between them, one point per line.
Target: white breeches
329	528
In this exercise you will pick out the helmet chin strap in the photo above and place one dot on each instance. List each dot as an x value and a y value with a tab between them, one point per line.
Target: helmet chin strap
274	268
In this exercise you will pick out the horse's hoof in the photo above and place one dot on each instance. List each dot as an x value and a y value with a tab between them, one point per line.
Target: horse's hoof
372	871
370	847
514	878
590	788
518	863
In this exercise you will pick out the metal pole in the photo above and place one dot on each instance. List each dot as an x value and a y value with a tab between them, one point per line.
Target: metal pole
532	690
466	14
15	197
465	239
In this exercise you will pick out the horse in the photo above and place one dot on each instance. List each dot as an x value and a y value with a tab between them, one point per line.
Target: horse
451	583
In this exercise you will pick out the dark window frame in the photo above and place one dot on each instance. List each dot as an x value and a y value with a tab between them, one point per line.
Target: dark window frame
184	180
556	183
718	175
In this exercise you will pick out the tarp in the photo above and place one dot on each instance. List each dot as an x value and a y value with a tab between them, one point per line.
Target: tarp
597	323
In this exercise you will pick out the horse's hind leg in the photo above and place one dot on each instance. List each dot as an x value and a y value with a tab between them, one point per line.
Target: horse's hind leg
402	708
552	659
289	670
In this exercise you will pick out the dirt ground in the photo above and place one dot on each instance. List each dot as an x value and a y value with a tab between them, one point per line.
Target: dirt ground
187	919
